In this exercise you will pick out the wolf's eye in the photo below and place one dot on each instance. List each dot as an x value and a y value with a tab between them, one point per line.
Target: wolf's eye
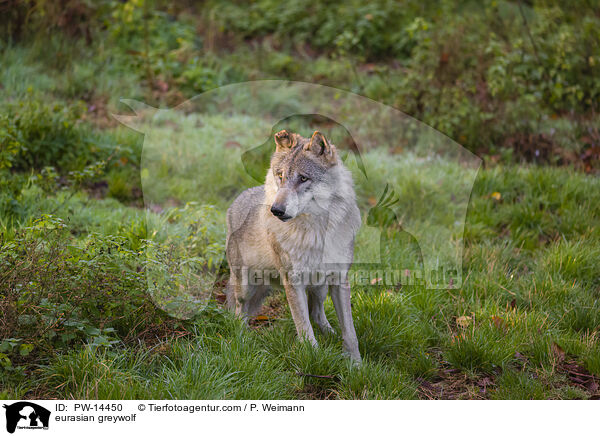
303	179
280	176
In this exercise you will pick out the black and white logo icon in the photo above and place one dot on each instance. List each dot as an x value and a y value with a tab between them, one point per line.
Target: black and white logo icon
26	415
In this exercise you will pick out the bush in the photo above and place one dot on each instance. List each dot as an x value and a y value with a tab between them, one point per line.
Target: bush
56	293
371	30
35	134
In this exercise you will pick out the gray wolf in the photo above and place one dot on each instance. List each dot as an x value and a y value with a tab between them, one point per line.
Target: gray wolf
297	232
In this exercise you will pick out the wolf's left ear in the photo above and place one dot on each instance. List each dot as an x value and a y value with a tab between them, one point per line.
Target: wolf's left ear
284	140
320	146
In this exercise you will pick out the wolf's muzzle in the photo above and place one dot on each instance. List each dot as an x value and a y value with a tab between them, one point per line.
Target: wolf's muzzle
279	213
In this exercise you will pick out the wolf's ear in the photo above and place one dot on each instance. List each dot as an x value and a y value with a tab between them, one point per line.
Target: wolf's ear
320	146
284	140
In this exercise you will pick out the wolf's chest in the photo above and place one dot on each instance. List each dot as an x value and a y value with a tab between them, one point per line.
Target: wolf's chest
312	246
305	247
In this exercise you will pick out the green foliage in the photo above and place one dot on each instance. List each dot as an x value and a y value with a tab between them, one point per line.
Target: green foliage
486	74
500	77
372	30
492	75
184	249
34	134
58	293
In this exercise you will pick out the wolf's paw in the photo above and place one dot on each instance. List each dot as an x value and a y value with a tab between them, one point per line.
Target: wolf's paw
354	355
327	330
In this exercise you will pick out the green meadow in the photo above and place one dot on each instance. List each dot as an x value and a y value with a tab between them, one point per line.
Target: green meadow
112	238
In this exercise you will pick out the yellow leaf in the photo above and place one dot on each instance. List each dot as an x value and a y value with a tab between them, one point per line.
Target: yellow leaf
496	196
498	322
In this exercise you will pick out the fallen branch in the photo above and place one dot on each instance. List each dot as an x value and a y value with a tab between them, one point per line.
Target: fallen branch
301	374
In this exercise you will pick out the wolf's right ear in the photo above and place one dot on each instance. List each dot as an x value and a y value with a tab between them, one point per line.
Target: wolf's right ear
284	140
319	145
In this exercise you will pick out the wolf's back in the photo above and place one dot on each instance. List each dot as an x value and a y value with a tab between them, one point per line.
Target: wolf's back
247	202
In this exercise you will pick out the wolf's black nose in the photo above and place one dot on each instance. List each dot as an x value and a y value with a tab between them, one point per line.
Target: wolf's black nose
277	211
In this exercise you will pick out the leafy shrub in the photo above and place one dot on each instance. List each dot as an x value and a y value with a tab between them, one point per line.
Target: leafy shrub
55	292
185	253
371	30
34	134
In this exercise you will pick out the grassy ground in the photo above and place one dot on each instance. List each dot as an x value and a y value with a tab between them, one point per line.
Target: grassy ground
78	321
524	324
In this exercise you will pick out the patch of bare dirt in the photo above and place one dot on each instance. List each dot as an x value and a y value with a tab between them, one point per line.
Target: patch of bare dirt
315	392
452	384
576	374
98	114
272	309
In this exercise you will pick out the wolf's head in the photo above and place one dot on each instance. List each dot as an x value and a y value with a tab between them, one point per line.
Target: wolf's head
302	174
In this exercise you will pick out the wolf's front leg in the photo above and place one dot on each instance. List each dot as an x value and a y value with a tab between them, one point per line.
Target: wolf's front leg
316	300
340	295
295	291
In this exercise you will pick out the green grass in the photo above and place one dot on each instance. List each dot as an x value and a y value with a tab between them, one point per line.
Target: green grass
524	290
223	360
531	277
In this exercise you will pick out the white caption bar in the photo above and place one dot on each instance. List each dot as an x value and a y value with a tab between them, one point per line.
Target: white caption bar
149	417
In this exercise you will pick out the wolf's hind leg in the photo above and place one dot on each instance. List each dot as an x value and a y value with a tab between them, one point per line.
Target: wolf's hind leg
230	296
316	300
258	295
240	294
